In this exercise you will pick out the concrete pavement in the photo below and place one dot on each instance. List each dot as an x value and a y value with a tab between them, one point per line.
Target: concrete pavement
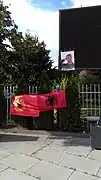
44	157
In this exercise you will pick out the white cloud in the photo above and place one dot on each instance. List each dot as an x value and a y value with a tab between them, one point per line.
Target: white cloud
78	3
43	23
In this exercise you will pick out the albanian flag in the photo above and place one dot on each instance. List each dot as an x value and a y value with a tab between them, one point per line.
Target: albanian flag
32	105
51	101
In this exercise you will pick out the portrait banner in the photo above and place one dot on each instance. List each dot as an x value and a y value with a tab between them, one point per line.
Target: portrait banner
67	61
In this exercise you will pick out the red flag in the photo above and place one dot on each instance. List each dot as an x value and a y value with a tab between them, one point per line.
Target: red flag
23	106
50	101
32	105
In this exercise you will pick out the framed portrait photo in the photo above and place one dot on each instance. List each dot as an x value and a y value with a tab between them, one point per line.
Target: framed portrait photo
67	61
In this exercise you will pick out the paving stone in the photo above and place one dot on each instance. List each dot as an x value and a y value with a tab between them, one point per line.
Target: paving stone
50	156
2	167
52	151
43	139
79	150
99	173
3	154
48	171
85	142
10	174
19	162
74	141
62	142
26	148
79	175
81	164
96	155
54	148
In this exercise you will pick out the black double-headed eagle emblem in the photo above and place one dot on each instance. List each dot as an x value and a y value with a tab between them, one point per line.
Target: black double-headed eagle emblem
51	100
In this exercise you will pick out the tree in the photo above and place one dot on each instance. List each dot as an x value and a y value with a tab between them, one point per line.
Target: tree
7	29
27	57
32	58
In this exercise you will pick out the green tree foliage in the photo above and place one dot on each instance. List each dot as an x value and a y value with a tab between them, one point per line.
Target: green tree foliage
27	57
70	117
31	56
7	28
45	86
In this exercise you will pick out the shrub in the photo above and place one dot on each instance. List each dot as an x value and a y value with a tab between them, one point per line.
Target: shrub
70	117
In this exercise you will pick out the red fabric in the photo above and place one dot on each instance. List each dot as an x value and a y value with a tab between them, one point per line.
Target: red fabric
23	106
59	101
32	105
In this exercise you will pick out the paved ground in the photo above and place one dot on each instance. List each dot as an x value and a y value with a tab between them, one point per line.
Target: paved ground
33	157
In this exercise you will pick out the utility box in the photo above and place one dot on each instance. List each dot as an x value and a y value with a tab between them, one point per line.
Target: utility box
92	121
95	137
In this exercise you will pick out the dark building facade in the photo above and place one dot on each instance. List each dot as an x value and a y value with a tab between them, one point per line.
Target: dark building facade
80	31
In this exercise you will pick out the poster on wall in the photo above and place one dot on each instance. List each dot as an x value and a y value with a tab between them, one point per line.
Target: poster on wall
67	61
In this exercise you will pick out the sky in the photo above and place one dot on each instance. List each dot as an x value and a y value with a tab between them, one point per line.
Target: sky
41	17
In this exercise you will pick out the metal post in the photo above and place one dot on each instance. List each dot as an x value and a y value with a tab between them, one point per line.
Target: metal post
58	87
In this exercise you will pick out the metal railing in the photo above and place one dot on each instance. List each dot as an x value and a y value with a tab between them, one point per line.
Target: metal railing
90	98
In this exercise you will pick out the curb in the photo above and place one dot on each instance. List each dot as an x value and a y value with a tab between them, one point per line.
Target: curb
48	133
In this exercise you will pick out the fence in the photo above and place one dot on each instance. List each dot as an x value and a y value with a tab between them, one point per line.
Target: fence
90	98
